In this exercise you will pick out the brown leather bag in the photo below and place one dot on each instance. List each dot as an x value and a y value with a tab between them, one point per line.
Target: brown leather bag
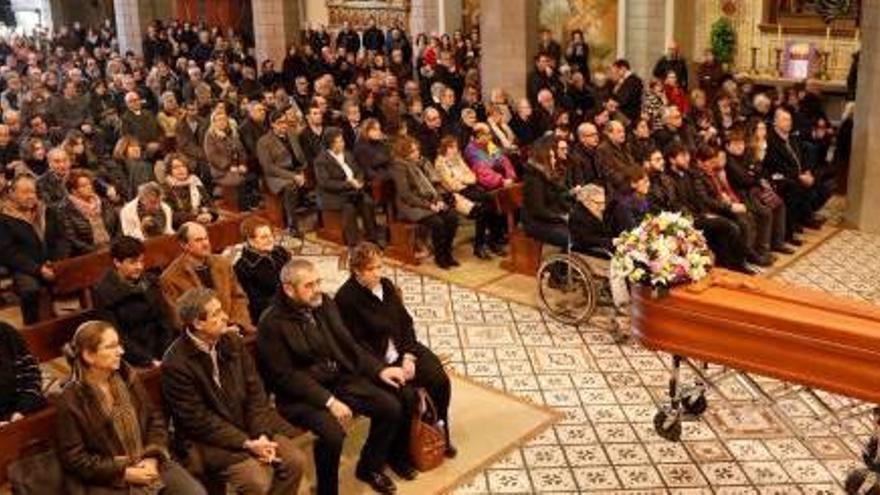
427	444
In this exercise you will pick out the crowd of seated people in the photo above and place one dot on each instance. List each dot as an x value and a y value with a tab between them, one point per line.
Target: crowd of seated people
102	151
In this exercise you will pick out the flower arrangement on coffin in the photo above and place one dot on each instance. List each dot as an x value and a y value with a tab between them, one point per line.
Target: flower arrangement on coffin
663	251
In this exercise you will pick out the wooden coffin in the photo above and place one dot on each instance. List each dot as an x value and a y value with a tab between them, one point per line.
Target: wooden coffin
766	327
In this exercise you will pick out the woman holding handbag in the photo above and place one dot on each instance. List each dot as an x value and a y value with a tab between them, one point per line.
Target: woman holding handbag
111	439
373	311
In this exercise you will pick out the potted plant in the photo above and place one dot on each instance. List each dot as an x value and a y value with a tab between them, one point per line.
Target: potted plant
722	39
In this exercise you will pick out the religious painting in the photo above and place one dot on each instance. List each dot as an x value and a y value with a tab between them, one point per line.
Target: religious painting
358	12
597	19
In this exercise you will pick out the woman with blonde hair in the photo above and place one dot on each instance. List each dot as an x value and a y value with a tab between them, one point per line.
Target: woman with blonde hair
111	439
168	116
224	151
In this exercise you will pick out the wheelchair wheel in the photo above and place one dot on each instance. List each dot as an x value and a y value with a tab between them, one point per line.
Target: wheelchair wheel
567	289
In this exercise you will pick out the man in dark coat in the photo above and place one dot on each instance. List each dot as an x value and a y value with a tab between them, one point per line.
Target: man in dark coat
51	185
130	297
348	38
374	38
283	172
320	377
220	411
791	175
628	89
340	182
30	237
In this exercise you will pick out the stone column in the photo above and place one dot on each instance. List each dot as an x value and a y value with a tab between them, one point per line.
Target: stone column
424	17
276	26
863	186
645	37
509	41
130	25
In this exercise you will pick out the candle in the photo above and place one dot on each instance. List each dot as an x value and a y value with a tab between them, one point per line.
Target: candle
857	35
779	35
827	37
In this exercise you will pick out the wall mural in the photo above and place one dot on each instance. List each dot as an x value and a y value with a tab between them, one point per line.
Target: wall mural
596	18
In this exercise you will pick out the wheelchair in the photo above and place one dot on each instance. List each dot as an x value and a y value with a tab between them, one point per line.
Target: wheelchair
572	285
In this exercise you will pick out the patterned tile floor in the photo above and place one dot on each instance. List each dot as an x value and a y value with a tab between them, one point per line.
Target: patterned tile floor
609	393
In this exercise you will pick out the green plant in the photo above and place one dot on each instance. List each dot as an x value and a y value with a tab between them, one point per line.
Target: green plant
723	40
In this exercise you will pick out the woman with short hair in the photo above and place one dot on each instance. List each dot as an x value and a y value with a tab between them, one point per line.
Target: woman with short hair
260	263
88	223
373	311
110	438
185	193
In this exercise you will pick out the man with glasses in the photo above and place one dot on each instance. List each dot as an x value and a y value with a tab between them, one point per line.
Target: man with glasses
675	130
141	124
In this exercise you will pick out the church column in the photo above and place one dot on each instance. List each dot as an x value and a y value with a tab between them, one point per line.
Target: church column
130	25
276	26
863	185
509	40
434	16
645	37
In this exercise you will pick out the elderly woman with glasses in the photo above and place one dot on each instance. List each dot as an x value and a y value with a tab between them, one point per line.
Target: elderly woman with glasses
111	439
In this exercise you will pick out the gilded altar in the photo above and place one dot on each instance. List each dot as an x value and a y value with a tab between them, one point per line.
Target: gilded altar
358	12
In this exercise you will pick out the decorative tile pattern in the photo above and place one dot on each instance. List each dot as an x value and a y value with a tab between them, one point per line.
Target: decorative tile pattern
609	393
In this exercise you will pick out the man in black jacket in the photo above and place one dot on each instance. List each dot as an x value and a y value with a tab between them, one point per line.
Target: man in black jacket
320	377
221	413
792	177
131	298
30	237
628	89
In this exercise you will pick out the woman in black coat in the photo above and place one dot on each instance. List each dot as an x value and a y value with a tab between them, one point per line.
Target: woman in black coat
260	264
546	203
372	152
373	311
88	223
110	439
20	381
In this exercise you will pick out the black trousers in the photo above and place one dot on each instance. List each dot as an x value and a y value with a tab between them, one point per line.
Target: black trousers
431	376
358	205
363	397
443	226
291	198
724	238
489	223
27	287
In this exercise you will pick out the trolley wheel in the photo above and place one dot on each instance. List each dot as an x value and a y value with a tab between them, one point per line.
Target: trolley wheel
695	403
862	482
869	455
567	289
667	424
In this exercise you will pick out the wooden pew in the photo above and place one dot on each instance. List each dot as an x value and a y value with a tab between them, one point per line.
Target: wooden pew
331	226
403	235
45	339
525	252
80	273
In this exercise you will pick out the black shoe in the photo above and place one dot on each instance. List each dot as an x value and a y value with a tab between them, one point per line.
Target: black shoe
763	260
783	249
379	482
450	451
404	470
798	229
452	261
497	248
482	253
748	269
814	223
442	262
795	241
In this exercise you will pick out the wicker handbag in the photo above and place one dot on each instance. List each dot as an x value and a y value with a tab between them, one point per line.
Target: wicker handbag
427	440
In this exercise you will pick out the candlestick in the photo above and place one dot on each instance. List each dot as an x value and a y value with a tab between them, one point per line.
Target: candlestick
754	69
779	62
827	36
779	34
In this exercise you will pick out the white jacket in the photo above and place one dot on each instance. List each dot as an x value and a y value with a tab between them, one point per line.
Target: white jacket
131	222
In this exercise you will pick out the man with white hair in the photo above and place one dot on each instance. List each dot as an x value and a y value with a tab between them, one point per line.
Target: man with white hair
51	185
141	124
584	167
675	130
